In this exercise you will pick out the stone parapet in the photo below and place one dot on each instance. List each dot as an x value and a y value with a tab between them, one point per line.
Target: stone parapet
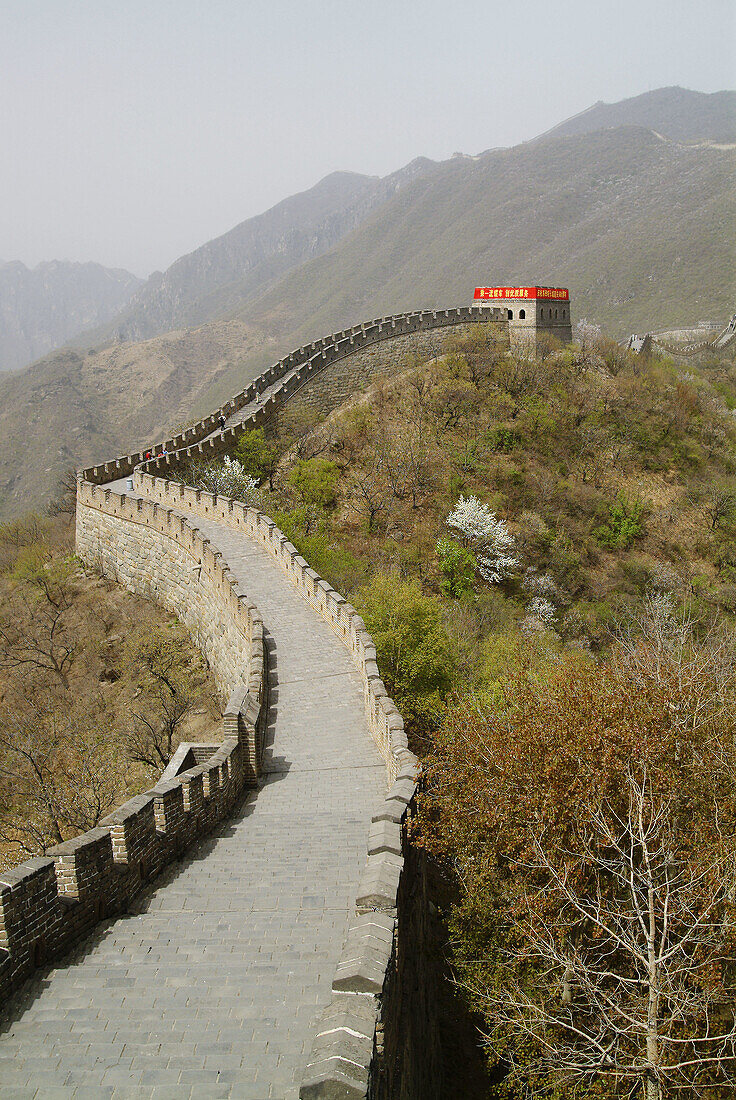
149	546
337	1062
49	904
300	365
384	720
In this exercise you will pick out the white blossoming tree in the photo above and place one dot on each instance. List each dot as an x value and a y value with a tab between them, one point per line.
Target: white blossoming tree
487	536
227	478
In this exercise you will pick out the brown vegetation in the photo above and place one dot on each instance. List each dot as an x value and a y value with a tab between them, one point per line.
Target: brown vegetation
97	687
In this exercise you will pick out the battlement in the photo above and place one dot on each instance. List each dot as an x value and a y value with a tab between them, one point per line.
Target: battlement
48	904
300	366
151	543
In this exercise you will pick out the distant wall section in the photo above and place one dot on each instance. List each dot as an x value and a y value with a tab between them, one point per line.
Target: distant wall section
354	373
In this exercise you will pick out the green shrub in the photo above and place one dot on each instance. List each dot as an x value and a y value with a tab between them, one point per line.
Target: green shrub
502	440
457	566
456	486
257	457
307	528
315	481
414	653
624	524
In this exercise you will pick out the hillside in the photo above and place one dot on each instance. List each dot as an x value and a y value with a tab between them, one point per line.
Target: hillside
73	743
43	307
640	227
246	261
75	407
614	477
676	113
234	270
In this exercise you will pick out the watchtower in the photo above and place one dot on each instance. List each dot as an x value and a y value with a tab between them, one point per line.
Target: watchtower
531	312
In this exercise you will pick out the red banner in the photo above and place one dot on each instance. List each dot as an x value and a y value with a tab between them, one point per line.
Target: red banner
559	294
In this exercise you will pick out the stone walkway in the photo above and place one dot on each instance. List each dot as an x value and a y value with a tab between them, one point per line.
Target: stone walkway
213	987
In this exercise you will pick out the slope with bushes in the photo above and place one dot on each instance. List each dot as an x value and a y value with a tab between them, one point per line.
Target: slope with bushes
97	688
545	553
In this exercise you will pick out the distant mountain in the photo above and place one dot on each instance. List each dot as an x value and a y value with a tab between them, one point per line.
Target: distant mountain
676	113
230	270
43	307
639	226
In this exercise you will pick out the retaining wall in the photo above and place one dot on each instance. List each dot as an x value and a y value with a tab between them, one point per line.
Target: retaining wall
343	378
48	904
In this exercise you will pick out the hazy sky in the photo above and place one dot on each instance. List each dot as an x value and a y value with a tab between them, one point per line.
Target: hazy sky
132	131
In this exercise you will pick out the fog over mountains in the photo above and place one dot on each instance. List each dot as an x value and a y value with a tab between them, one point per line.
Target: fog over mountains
632	205
229	271
43	307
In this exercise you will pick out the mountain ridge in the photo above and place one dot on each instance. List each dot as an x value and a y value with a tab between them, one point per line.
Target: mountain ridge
256	253
639	228
678	113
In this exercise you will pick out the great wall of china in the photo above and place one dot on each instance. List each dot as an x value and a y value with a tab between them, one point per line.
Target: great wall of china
251	926
665	343
303	973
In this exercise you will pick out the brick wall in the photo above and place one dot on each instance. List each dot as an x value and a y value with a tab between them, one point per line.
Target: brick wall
354	373
299	366
48	904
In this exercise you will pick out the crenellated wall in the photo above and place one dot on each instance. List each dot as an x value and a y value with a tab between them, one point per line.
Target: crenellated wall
150	543
48	904
343	378
383	717
358	1046
157	555
290	374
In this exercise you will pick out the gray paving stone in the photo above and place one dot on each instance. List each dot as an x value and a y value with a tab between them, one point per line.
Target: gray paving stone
215	985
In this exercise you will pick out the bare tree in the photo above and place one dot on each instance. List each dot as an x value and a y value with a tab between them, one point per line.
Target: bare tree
64	501
657	643
629	943
34	630
154	737
367	495
68	777
719	504
403	459
155	733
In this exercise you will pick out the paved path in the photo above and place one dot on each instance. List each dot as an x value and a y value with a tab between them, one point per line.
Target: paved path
213	987
238	417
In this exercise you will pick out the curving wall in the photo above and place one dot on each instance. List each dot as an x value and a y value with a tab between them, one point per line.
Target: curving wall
151	545
347	1053
48	904
288	375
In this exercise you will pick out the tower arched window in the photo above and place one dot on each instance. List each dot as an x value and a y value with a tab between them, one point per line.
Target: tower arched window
522	314
555	315
541	315
511	314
